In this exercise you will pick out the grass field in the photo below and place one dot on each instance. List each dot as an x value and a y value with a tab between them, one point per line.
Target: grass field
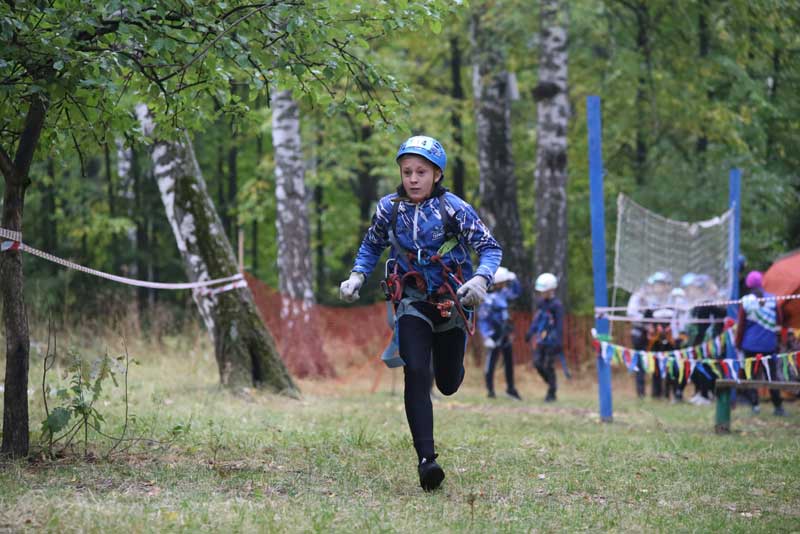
340	460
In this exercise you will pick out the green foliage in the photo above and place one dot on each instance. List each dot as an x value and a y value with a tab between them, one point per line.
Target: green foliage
386	69
78	399
87	58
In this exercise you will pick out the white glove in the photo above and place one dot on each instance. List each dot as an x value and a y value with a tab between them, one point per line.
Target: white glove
489	343
348	290
473	291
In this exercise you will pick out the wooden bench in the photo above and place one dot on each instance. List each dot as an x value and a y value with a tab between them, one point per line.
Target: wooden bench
724	386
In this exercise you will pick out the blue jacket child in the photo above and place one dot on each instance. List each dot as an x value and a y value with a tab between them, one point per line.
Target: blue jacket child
493	316
547	327
430	282
495	326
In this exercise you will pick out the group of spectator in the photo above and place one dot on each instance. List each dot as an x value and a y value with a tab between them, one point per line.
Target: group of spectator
668	316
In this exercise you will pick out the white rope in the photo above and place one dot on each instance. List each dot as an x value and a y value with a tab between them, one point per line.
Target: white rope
715	303
205	291
16	243
654	320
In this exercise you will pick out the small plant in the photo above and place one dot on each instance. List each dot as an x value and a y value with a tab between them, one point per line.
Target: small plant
78	412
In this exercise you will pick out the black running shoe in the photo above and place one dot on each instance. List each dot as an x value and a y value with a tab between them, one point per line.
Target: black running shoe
430	474
513	394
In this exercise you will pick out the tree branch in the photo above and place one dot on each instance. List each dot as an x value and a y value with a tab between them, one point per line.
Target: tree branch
205	50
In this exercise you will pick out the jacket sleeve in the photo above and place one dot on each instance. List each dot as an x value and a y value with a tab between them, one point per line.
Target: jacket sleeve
740	323
477	235
635	306
375	240
558	313
782	334
532	328
485	324
513	290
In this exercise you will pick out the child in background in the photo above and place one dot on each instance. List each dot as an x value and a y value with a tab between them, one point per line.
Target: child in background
547	329
757	334
496	329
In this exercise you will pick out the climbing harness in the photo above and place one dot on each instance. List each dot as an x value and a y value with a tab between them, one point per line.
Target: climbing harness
415	285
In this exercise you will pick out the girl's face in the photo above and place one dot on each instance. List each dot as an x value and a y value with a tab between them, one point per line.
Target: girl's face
418	175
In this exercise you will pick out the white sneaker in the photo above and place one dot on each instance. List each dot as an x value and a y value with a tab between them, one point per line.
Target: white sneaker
702	401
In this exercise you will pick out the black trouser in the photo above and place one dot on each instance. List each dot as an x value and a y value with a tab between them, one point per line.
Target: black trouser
639	340
417	343
504	348
657	389
544	360
752	394
705	382
674	383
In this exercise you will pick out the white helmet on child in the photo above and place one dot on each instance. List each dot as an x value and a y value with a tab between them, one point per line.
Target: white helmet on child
546	282
503	275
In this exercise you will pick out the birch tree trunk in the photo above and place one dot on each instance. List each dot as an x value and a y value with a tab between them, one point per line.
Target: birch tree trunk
552	109
300	341
245	350
493	89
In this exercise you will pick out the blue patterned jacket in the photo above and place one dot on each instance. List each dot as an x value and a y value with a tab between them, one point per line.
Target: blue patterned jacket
419	227
493	314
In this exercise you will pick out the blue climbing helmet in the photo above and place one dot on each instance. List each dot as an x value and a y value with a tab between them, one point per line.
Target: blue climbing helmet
427	147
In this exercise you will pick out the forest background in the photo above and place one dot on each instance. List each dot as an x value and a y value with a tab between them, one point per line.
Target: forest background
689	90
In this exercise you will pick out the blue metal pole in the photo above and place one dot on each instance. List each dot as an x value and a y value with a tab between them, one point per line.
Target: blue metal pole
599	247
735	203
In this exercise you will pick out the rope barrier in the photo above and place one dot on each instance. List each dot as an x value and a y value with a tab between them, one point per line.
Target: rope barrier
602	311
14	242
656	320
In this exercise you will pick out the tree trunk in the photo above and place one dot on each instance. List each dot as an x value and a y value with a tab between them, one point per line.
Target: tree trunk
319	249
643	46
233	183
552	112
112	206
245	351
141	263
16	423
704	44
456	175
493	88
366	187
49	228
300	341
127	193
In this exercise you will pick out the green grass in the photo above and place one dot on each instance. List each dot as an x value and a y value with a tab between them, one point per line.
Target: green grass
340	460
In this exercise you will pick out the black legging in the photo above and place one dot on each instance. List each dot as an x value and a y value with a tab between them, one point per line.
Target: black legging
505	349
705	380
544	358
752	394
639	338
417	342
